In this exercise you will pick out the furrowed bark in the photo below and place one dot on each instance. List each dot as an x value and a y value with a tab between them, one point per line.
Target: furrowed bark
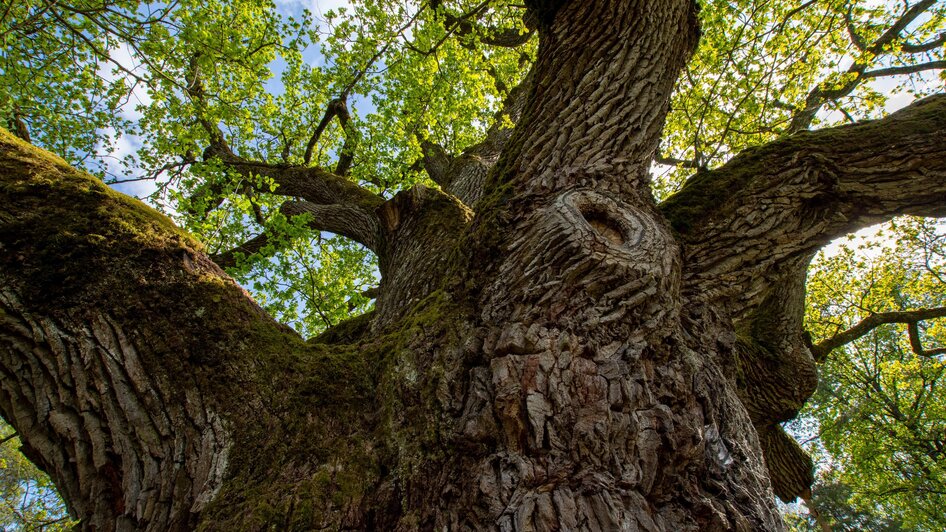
587	398
610	55
785	200
140	377
751	227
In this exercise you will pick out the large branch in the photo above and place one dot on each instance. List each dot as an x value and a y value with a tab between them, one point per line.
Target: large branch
868	324
309	183
140	376
750	228
344	220
102	302
741	222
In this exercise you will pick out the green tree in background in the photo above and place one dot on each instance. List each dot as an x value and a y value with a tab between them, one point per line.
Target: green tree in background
511	323
28	499
879	403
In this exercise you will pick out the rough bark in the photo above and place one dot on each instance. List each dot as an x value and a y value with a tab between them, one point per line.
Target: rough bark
140	377
568	357
750	228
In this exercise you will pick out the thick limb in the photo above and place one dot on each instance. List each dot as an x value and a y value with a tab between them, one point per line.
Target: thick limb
742	221
751	226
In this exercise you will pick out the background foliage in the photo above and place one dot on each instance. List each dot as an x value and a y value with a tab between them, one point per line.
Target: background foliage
28	499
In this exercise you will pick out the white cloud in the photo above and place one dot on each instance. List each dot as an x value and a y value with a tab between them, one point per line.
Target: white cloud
122	57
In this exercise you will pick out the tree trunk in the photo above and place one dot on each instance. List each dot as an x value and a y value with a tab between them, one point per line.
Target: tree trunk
555	358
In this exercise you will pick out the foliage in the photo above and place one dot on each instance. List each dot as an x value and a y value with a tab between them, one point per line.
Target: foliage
880	405
761	65
832	498
28	499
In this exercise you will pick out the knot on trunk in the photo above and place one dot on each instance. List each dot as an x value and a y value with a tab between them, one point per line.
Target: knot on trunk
593	259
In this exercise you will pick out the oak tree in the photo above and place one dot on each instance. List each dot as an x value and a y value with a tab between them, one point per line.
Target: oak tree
549	346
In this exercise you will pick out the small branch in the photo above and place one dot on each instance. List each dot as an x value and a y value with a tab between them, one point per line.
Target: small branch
917	345
347	154
856	39
337	108
788	16
823	523
507	38
330	112
227	259
918	48
195	90
380	52
907	69
910	317
673	161
370	293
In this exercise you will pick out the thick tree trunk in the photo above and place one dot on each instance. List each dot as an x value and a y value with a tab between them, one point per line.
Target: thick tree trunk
557	358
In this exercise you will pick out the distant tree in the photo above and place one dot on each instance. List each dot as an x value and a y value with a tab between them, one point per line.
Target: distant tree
549	346
28	499
834	511
879	401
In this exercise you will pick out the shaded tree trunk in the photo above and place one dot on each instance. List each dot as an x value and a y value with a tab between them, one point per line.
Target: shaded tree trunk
563	354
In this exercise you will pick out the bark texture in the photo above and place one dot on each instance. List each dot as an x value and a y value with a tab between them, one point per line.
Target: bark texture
550	349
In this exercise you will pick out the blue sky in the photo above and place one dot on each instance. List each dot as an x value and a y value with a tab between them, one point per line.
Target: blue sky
129	144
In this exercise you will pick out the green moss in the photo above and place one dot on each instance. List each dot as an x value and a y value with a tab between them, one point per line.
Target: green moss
293	410
28	170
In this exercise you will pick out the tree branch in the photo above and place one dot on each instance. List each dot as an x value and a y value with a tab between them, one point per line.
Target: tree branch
868	324
929	46
85	358
464	175
195	90
310	183
131	365
917	345
436	161
344	220
347	155
740	222
673	161
819	96
906	69
330	112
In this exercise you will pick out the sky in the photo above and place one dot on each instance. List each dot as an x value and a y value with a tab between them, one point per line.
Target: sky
129	144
